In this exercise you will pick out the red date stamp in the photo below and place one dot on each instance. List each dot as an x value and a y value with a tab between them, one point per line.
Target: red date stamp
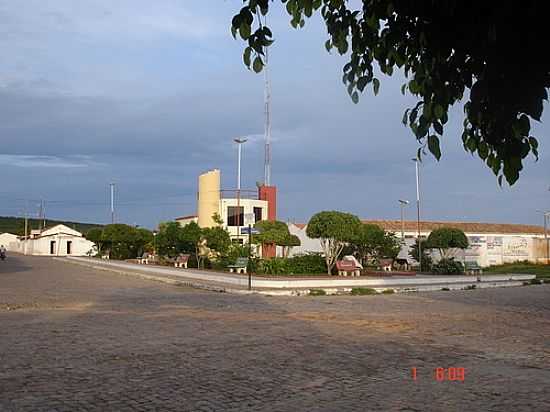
451	374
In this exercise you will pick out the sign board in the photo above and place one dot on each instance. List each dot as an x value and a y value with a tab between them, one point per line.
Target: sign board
252	231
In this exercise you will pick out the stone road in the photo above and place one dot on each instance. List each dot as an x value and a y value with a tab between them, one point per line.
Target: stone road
76	339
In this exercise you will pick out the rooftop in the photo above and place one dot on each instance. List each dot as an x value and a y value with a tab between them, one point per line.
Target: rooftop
467	227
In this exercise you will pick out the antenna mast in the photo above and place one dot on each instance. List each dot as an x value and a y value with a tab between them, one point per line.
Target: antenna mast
267	109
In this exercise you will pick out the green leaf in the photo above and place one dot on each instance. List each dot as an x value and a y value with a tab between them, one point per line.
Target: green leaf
438	128
258	65
362	82
533	142
403	89
246	56
244	30
405	117
375	85
355	97
433	146
439	112
328	45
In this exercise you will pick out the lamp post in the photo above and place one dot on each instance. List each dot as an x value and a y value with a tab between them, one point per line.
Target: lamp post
403	203
239	142
545	214
416	160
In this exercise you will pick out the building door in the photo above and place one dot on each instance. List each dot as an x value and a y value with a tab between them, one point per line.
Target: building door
69	244
52	247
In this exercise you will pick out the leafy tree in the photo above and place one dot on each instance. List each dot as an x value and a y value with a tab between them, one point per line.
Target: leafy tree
372	242
334	229
275	232
288	243
447	49
217	239
169	240
426	263
95	235
217	219
144	239
190	237
446	240
121	240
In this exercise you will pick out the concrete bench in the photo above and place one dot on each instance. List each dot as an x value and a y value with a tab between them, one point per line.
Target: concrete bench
181	261
386	264
346	267
472	268
240	265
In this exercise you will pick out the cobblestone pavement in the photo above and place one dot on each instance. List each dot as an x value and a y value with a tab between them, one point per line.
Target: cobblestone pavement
76	339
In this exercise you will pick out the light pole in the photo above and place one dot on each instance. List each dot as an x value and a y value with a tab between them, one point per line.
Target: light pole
545	214
239	142
403	203
416	160
112	187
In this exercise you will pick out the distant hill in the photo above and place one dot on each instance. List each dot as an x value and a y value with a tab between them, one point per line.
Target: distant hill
16	225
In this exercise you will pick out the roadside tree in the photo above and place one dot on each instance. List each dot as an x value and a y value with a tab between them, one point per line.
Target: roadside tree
334	230
450	51
447	240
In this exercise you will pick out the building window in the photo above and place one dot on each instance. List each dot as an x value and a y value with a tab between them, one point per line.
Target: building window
235	218
257	214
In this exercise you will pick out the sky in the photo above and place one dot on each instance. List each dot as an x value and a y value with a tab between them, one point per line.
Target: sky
148	95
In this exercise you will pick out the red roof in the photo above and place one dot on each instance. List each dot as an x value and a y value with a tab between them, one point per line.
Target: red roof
186	217
468	227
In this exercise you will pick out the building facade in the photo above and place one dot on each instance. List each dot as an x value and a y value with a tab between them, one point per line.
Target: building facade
59	240
490	243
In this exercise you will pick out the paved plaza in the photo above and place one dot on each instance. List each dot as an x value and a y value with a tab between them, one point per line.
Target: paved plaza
77	339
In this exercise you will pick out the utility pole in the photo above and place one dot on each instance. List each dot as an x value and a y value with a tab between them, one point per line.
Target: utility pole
26	227
416	160
112	187
239	142
403	203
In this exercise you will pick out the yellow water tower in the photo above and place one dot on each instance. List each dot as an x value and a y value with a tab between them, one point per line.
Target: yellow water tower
209	197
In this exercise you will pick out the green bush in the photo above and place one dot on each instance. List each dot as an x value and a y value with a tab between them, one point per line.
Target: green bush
470	287
536	282
299	265
317	292
445	289
388	292
363	291
448	266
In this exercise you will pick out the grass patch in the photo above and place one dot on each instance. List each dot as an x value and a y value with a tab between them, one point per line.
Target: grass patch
388	292
540	270
363	291
445	289
317	292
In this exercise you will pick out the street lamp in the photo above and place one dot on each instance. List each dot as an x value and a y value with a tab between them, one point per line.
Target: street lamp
403	203
545	214
416	160
239	142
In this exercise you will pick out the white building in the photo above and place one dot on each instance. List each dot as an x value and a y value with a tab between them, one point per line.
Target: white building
10	241
490	243
59	240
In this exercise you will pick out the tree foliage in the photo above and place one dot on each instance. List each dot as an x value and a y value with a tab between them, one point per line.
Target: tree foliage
445	239
485	54
275	232
122	241
426	262
334	229
372	242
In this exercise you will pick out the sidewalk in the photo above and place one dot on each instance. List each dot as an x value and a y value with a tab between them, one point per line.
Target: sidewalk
238	283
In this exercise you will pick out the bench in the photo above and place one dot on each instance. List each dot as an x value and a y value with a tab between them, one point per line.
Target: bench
347	266
148	259
472	268
240	265
181	261
386	264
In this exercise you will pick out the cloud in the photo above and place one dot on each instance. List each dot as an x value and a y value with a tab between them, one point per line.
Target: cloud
38	161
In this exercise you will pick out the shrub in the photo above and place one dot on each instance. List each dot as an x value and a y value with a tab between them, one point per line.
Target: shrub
388	292
470	287
448	266
305	264
317	292
445	289
535	282
363	291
